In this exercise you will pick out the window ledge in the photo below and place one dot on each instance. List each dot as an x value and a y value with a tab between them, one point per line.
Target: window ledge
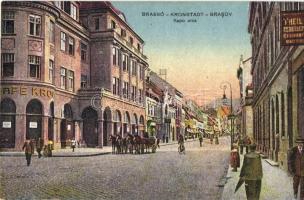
34	36
8	34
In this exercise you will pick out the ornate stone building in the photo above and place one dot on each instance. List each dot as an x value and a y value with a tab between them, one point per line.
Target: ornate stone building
69	70
277	81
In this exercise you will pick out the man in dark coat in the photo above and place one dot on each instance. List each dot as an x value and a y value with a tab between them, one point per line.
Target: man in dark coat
28	148
296	167
251	174
39	146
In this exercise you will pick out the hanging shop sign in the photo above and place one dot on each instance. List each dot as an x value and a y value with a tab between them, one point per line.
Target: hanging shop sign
6	124
292	28
26	91
33	124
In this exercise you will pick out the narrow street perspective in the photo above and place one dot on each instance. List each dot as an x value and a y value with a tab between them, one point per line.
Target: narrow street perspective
152	100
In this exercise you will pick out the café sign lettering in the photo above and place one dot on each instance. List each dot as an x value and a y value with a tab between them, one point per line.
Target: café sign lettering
292	28
25	91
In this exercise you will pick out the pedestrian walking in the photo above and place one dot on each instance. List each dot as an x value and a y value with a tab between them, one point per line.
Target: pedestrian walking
50	147
251	174
73	144
28	148
296	167
234	159
201	139
39	146
241	144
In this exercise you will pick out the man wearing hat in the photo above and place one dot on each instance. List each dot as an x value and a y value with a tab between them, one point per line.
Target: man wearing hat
251	174
296	167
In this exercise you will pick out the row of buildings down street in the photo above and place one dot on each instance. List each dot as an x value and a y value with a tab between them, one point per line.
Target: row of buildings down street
78	70
271	82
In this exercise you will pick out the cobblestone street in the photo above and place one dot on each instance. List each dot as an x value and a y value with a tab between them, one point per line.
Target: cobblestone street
163	175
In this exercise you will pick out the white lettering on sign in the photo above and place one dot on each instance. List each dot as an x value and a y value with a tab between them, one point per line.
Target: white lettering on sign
6	124
33	124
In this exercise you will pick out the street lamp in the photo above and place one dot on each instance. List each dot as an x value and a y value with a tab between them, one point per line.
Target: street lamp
225	102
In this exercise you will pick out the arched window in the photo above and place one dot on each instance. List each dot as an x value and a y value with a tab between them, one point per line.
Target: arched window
67	112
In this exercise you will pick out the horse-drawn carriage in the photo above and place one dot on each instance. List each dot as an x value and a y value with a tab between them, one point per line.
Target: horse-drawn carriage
133	143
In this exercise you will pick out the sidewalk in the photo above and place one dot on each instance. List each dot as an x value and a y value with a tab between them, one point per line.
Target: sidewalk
276	184
79	152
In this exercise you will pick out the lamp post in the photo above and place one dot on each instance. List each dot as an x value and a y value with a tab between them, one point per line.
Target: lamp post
224	87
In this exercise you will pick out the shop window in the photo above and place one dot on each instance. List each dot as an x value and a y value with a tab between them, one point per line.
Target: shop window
8	60
34	65
34	25
8	21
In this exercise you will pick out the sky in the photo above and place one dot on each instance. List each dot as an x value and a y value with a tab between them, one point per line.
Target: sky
199	55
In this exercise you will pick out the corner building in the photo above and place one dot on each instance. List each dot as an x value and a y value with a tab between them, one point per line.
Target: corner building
69	70
277	73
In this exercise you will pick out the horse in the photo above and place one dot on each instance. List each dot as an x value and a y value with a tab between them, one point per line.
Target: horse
131	142
113	141
124	145
118	144
137	143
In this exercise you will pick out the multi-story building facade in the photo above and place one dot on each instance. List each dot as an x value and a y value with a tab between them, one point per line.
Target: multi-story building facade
245	80
277	81
69	70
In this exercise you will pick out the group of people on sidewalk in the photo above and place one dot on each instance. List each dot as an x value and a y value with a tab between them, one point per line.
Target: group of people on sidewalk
30	144
29	148
252	172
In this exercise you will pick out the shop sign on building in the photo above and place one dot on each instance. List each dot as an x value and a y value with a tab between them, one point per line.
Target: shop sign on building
33	125
292	28
6	124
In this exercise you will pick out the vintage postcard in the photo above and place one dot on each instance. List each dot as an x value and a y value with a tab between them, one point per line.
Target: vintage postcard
152	100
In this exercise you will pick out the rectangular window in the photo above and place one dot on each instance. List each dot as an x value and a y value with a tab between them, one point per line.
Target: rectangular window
52	32
140	94
63	78
34	25
70	80
134	68
141	72
138	47
125	90
73	11
114	56
115	86
119	58
84	81
62	41
8	20
96	23
124	62
131	40
133	93
34	65
113	24
67	7
84	49
123	33
51	71
71	45
8	60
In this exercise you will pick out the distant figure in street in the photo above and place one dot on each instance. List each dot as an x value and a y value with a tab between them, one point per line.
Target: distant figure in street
200	139
296	167
50	148
251	174
241	144
28	148
39	146
73	144
181	146
211	138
